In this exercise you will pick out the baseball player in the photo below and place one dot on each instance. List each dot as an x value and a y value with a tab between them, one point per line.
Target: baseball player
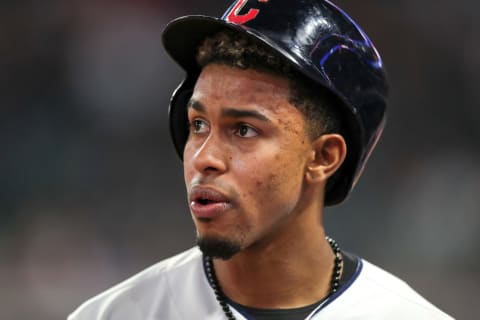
282	104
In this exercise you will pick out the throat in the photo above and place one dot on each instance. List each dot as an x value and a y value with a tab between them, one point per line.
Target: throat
278	284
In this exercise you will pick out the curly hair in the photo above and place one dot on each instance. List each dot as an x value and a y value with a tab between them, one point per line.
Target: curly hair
234	49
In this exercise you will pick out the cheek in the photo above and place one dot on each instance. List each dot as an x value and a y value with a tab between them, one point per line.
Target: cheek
285	180
270	180
187	162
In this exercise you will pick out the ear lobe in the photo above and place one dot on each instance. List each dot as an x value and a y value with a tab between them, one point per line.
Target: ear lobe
329	152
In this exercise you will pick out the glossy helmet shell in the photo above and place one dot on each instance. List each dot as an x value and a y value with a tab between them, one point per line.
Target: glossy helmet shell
319	40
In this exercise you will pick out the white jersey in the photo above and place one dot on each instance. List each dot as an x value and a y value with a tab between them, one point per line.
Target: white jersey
177	288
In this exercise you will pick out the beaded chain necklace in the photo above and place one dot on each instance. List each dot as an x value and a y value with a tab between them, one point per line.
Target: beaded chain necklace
217	290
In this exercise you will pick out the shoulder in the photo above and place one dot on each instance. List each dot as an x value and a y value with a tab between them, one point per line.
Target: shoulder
377	294
141	296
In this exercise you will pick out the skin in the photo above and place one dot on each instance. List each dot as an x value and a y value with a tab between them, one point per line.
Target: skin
250	144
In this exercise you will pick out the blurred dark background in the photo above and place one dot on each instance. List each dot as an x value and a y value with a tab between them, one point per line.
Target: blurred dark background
91	190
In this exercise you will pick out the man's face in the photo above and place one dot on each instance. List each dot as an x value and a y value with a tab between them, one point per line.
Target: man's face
245	159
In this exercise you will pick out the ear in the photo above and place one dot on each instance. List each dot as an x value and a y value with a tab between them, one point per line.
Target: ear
329	152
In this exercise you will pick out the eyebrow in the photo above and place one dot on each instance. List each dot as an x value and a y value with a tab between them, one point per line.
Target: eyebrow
195	105
229	112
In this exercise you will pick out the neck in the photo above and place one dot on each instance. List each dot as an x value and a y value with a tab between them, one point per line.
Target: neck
291	269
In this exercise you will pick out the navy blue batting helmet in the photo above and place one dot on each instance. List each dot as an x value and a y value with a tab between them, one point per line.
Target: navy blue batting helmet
318	39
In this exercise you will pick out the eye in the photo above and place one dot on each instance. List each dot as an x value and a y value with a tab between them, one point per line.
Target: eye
198	126
245	131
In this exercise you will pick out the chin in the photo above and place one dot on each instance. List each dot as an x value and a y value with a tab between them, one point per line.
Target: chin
215	247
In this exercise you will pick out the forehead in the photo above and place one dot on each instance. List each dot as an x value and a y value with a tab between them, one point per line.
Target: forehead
235	87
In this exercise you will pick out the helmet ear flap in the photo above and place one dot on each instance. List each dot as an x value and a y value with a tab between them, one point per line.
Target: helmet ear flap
178	114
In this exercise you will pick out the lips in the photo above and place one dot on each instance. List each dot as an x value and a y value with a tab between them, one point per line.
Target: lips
208	203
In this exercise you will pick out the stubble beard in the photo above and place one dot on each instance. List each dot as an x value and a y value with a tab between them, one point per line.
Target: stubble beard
218	248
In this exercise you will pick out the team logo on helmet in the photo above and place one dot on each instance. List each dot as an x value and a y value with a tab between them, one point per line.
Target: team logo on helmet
234	15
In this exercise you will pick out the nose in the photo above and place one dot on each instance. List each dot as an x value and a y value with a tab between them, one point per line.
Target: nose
210	157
